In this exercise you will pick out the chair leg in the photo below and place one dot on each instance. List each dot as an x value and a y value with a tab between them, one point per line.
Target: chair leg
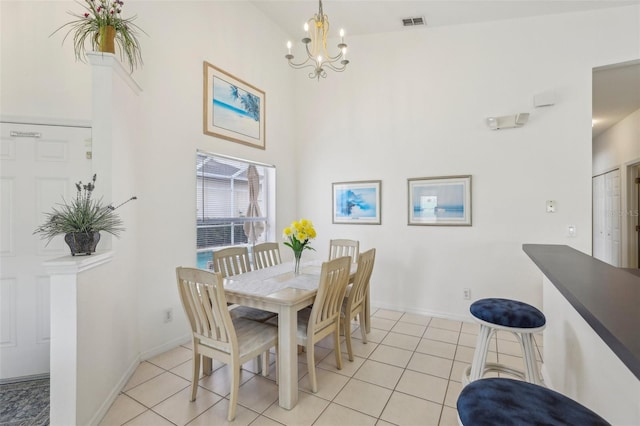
347	336
265	363
195	373
235	384
311	366
336	345
363	326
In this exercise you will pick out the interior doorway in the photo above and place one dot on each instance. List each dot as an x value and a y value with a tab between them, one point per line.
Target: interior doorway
633	215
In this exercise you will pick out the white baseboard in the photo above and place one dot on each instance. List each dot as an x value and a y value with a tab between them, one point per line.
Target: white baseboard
429	313
102	411
165	347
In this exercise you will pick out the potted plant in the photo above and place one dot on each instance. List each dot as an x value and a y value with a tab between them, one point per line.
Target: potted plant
81	220
100	24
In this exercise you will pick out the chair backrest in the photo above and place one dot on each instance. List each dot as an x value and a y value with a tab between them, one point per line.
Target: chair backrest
342	247
204	302
334	278
265	255
231	261
361	281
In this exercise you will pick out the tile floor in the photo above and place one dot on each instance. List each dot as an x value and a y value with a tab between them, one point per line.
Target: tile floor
409	373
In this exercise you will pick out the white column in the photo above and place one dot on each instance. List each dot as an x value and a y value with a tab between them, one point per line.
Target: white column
64	272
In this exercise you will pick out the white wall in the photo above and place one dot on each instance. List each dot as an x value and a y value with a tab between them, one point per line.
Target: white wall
413	104
619	145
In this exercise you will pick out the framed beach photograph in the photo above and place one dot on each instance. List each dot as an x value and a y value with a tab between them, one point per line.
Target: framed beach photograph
233	109
444	200
357	202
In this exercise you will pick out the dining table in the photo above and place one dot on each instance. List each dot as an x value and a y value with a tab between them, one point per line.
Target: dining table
278	289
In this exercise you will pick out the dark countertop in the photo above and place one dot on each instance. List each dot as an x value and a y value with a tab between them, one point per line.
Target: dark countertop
608	298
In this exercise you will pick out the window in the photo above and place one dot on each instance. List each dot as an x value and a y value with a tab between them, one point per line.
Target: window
226	214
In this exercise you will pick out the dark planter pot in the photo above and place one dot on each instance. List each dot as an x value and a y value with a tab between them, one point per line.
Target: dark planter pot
82	242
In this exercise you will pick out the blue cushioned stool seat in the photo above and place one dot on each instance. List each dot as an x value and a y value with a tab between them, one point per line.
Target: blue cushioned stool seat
498	401
507	313
519	318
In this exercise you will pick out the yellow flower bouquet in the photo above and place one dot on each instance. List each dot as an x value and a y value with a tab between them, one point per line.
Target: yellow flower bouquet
297	236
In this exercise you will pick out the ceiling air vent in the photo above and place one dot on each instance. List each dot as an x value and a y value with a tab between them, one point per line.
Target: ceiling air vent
412	22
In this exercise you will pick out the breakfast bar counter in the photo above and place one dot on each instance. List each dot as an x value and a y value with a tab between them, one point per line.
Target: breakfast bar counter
592	341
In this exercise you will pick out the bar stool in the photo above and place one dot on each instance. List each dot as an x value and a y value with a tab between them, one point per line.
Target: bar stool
498	401
519	318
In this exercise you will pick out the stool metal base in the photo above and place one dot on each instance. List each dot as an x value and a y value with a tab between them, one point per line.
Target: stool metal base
480	366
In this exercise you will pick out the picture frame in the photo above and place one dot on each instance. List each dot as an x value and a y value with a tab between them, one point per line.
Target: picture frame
439	201
357	202
233	109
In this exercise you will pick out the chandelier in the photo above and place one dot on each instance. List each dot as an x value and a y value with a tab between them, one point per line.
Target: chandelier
315	42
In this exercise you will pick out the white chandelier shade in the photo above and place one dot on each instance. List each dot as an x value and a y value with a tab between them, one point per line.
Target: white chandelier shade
315	42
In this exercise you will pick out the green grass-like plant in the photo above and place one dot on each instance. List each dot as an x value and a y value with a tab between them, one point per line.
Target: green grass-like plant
99	14
83	214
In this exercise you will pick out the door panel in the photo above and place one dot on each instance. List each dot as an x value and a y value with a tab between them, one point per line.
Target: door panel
39	165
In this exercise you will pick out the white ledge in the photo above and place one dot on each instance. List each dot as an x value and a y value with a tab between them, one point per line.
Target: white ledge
102	59
69	265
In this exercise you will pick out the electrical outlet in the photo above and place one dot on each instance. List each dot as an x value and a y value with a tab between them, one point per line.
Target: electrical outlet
168	315
466	293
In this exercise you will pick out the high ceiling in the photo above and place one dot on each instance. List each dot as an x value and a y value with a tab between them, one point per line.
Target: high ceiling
616	91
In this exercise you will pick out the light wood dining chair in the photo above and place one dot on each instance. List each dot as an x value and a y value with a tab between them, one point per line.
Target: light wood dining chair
265	255
323	318
231	261
234	261
354	303
215	334
343	247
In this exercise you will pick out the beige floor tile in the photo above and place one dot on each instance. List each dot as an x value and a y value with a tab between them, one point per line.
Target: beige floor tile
416	319
172	358
470	328
453	392
258	393
387	314
441	334
449	417
158	389
402	341
437	348
380	374
349	368
423	386
469	340
405	409
376	335
338	415
457	370
429	364
180	410
511	361
327	342
329	383
446	324
220	381
306	411
506	335
509	347
122	410
382	323
144	372
390	355
264	421
364	397
465	354
319	353
363	350
149	418
217	415
410	329
184	370
383	423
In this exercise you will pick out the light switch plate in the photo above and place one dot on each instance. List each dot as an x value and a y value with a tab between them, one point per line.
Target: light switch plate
551	206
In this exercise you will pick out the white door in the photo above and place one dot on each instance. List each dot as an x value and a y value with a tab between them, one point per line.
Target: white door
39	165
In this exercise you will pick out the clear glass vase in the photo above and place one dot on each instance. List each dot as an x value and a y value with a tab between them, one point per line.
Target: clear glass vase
296	262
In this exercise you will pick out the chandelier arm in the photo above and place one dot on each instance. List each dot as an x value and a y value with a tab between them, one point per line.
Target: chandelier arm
303	65
334	68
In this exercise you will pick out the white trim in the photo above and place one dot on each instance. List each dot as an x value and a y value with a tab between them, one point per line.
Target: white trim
185	338
71	265
45	121
429	313
108	402
101	59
